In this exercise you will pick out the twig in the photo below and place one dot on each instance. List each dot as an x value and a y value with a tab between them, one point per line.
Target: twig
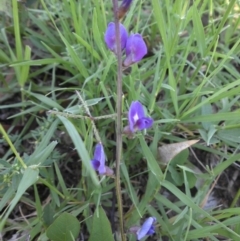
119	120
204	201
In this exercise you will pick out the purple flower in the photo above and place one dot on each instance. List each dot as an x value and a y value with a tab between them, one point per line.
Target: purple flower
147	228
137	119
110	37
135	49
98	161
124	8
126	4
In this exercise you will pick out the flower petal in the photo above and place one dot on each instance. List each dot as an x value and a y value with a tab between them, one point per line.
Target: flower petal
135	113
95	164
135	49
109	171
102	170
126	4
151	231
144	123
146	227
110	37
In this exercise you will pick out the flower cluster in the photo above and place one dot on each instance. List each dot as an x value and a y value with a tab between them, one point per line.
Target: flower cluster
133	45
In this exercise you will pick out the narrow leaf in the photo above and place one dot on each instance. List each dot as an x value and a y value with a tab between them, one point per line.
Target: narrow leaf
30	176
80	147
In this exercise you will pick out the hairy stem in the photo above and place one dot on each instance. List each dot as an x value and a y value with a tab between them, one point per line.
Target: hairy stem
119	120
91	119
69	115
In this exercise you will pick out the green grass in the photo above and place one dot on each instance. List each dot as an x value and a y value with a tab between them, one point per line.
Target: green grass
189	84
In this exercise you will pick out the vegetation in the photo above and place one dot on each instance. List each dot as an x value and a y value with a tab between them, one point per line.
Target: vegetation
58	100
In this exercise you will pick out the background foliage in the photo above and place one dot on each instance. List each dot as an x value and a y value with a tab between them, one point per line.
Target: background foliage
189	82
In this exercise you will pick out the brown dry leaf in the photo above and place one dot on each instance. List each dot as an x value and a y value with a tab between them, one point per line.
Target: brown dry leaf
167	152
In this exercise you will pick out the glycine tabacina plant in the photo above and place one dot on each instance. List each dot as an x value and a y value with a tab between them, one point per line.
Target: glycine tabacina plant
135	49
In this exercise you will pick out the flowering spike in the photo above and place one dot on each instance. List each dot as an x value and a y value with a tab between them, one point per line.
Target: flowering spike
147	228
124	8
137	119
135	49
110	37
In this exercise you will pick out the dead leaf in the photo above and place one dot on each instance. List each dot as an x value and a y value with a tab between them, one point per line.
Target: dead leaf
167	152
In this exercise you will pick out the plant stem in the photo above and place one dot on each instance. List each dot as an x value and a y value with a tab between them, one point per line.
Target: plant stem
6	137
91	119
69	115
119	120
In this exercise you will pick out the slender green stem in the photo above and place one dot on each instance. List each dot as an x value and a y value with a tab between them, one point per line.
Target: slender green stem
5	135
119	120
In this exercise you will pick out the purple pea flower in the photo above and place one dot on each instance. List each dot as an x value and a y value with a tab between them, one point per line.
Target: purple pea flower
126	4
135	49
147	228
110	37
124	8
137	119
98	161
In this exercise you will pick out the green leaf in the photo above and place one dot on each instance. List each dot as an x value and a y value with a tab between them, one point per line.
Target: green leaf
92	51
212	130
230	135
181	215
101	229
176	176
6	197
152	162
45	100
30	176
232	116
180	159
191	179
41	157
80	147
206	110
64	228
25	69
198	30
